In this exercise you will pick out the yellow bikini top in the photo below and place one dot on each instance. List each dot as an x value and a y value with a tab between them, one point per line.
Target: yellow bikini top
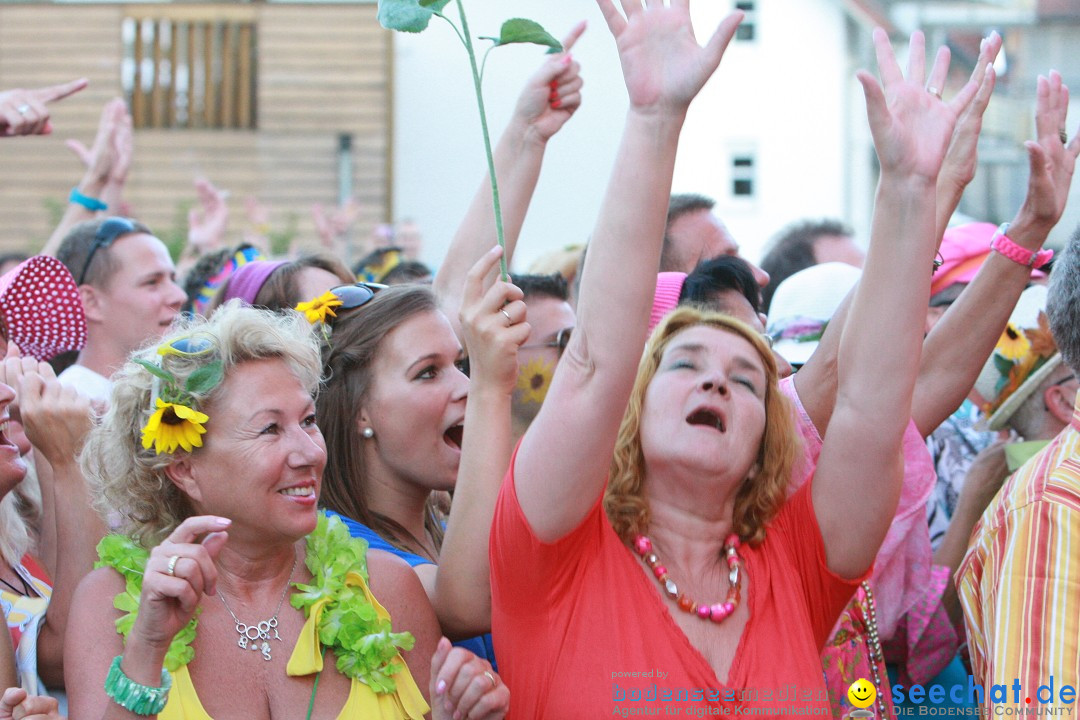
307	658
380	694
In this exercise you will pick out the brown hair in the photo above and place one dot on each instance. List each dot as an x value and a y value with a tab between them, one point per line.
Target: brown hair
75	249
760	497
347	359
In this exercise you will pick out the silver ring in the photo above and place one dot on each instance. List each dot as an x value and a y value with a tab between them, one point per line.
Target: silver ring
509	321
934	91
23	109
489	676
1064	136
171	570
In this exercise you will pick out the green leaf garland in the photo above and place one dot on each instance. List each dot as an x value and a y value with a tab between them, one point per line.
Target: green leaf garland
123	555
364	645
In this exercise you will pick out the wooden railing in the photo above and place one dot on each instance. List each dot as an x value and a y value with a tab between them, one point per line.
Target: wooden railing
191	66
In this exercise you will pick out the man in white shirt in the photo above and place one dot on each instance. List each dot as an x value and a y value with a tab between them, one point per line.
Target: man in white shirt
127	283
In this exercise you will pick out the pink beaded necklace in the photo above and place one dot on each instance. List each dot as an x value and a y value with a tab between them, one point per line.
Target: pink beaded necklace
717	612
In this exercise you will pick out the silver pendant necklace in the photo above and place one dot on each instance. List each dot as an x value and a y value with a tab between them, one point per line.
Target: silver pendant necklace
258	636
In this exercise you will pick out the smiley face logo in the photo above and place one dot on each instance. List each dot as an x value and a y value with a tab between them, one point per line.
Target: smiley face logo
861	694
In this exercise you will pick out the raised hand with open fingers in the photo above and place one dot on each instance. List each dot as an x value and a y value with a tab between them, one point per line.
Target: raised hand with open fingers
1051	159
958	168
910	123
26	112
663	65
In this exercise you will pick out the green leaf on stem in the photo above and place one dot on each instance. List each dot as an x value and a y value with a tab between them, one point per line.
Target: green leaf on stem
408	15
155	370
520	30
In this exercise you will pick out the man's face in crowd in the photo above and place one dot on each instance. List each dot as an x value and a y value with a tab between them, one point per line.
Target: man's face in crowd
536	359
140	300
699	235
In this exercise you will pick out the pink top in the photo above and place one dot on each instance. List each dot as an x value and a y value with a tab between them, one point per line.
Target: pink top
576	623
912	623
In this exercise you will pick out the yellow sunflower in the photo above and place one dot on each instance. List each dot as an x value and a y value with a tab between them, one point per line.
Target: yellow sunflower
172	426
316	310
1013	344
534	380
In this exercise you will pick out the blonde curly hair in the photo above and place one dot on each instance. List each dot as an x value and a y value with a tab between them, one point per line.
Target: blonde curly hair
126	478
759	498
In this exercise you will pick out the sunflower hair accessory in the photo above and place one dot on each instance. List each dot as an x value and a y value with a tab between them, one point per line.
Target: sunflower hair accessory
175	423
318	309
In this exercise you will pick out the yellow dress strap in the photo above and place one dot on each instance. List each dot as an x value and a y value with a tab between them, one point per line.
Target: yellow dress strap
307	658
183	703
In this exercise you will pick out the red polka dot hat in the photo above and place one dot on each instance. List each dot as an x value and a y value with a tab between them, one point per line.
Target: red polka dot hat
41	309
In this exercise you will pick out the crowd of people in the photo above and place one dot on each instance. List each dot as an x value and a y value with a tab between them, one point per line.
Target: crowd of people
236	484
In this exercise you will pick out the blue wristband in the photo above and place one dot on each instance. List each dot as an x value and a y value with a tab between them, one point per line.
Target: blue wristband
92	204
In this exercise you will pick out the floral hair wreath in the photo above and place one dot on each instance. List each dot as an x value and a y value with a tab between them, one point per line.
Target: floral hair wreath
175	422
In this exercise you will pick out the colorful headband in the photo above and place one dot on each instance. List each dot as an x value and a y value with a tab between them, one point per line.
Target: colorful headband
247	281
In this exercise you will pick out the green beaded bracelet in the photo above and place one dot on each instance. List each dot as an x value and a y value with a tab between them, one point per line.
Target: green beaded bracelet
135	697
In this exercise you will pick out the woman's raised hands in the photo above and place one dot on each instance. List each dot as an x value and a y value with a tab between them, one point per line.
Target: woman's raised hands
910	123
663	65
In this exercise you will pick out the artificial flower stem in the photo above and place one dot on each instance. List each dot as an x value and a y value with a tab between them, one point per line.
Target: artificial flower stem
467	39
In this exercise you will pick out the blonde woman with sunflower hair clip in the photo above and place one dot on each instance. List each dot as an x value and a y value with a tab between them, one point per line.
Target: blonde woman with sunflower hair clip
220	527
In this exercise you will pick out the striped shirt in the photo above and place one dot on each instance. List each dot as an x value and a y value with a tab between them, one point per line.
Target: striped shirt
1020	580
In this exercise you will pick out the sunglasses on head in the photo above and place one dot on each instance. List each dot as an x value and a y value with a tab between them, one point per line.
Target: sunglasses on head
188	346
106	235
559	342
355	295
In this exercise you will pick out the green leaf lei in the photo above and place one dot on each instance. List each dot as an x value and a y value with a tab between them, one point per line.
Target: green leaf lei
123	555
363	643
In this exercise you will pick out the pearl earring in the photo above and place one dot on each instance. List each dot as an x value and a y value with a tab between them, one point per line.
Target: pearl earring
368	433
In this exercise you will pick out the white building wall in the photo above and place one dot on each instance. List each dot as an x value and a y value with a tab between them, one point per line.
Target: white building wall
784	96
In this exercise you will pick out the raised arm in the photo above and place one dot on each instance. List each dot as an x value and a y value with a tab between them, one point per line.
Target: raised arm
492	321
949	369
958	170
57	419
547	101
857	483
107	162
564	457
816	381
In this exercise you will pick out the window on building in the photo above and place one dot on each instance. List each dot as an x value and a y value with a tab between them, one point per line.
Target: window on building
742	175
747	29
188	68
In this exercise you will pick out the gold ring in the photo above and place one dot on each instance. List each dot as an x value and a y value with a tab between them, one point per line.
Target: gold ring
489	676
171	570
1064	136
934	91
